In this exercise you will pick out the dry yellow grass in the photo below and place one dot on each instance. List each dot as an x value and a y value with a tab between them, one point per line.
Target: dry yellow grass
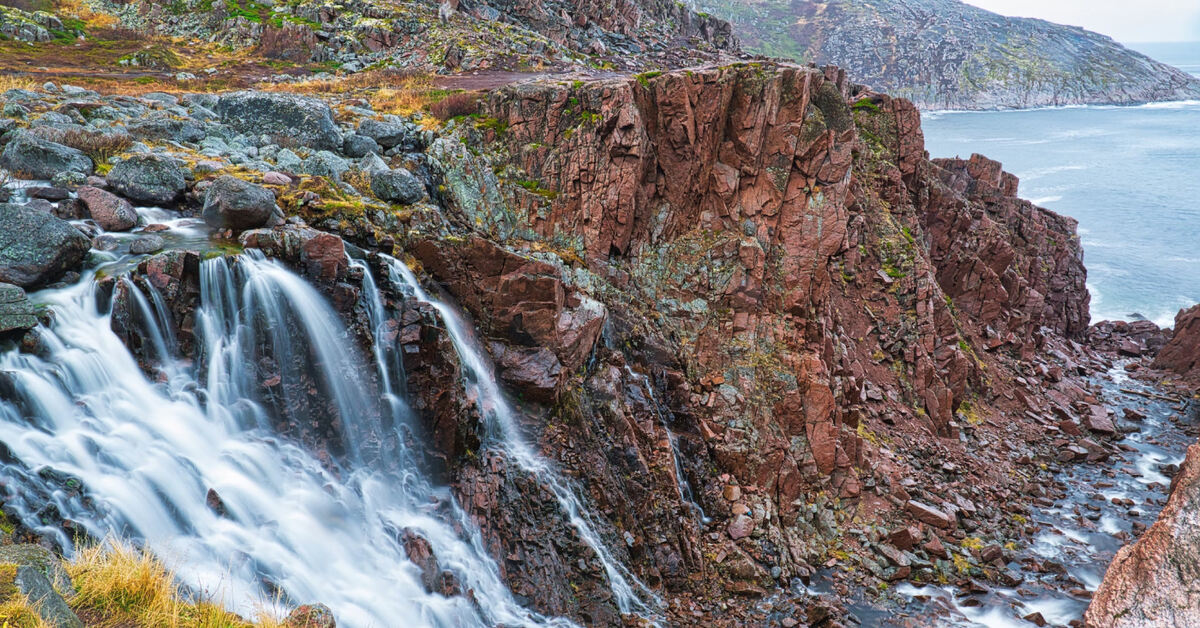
80	10
19	613
388	91
13	81
118	585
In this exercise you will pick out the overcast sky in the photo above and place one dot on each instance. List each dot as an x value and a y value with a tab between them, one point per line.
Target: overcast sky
1123	20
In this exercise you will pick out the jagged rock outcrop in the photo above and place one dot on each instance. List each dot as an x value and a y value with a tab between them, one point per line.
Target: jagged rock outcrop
946	54
1151	582
1182	352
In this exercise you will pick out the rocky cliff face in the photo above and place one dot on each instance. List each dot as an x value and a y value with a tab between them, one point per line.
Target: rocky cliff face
944	54
801	288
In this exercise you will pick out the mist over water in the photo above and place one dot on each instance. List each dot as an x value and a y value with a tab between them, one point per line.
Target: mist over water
1129	175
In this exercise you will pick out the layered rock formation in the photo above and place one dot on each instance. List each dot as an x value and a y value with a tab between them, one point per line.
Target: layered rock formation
945	54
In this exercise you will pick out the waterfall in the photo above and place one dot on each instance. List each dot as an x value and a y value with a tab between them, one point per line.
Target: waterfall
290	529
501	425
681	483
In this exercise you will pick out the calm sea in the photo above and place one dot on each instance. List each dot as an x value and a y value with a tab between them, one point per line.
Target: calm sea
1130	175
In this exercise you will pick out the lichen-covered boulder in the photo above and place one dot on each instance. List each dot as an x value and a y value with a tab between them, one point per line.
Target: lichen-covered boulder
34	157
307	121
233	203
37	248
149	179
397	185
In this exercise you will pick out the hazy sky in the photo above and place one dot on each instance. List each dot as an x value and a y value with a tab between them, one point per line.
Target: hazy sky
1123	20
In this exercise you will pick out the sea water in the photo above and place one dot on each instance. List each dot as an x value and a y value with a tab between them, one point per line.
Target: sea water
1129	175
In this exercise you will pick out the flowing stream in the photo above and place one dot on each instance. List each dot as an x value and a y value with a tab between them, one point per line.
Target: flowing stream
120	454
501	425
1097	508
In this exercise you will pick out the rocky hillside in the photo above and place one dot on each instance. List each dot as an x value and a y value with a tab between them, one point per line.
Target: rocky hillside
451	36
944	54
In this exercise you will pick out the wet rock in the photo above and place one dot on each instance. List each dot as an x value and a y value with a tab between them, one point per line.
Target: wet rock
54	194
17	312
1097	420
305	120
106	242
110	211
533	373
1133	414
37	248
310	616
36	158
146	244
397	185
233	203
1130	348
148	178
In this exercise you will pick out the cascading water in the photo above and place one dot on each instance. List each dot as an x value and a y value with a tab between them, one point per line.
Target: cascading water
681	483
146	455
501	425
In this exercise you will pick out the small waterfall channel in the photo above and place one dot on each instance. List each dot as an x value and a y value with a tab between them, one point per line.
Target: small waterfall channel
632	596
681	484
88	434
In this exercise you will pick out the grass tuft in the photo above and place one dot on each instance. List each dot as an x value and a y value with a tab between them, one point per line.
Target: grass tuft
118	585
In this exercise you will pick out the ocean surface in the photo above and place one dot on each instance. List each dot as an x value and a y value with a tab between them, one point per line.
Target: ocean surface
1129	175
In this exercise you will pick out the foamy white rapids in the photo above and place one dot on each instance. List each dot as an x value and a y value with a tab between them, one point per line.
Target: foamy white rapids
147	452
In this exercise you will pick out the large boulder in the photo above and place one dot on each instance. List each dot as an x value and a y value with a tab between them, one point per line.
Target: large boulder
110	211
387	134
1152	581
397	185
307	121
165	127
149	179
233	203
36	248
31	156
